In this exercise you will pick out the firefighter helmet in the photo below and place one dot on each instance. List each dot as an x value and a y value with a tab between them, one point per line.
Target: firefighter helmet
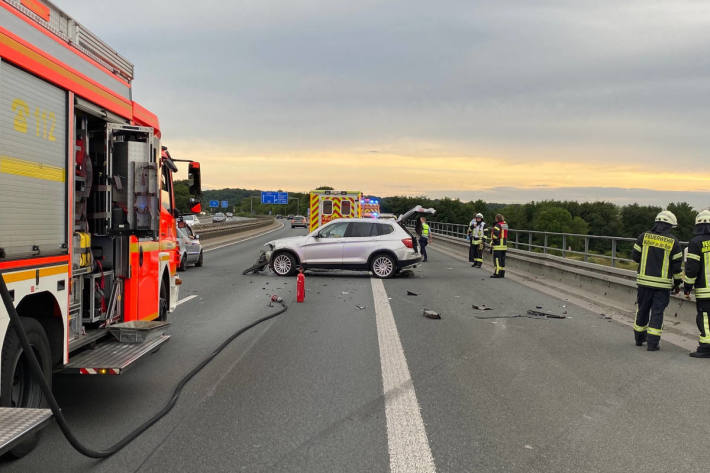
668	217
703	217
479	215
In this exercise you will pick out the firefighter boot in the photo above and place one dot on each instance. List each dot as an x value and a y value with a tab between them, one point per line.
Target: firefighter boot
640	338
652	345
703	351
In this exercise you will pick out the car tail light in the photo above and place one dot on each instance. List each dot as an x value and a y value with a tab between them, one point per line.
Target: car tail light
408	243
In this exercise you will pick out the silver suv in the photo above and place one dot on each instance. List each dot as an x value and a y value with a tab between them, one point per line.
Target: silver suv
381	246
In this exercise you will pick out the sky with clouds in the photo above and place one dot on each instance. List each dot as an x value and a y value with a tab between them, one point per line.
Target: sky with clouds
507	100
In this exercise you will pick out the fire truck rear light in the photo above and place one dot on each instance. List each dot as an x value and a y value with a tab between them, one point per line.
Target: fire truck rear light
408	243
178	281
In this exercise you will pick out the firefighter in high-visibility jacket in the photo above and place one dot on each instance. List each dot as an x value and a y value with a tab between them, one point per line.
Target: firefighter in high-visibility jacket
697	275
476	236
660	257
499	245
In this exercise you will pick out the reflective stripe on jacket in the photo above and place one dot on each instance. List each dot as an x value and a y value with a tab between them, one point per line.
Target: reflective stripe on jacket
697	266
660	258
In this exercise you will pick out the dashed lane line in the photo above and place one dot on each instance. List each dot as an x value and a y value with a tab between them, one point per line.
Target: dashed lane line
185	299
408	445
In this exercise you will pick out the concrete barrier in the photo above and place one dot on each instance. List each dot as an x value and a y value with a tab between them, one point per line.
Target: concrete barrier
604	286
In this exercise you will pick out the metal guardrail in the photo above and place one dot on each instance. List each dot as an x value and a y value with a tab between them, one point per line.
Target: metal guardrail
211	230
607	250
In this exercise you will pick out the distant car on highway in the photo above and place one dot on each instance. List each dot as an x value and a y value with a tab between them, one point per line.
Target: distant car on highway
190	219
290	217
381	246
299	221
219	217
190	247
230	214
279	217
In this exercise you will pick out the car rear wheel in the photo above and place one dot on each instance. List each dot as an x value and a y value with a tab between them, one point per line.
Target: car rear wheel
283	264
183	263
383	266
200	261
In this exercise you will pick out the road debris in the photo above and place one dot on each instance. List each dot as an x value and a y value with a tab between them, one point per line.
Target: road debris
360	307
430	314
536	313
411	293
482	307
530	314
344	293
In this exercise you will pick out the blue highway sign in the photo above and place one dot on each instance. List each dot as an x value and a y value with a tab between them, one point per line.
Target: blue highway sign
225	204
279	198
214	204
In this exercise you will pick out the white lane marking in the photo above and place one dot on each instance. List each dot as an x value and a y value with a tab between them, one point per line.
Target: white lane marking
406	437
244	239
185	299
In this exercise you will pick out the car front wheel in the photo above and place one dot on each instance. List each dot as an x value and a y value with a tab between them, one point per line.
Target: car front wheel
283	264
383	266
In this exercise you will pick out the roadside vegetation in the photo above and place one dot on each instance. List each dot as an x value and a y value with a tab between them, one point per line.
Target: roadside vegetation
584	218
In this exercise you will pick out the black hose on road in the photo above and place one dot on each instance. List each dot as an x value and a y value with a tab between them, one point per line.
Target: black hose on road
16	322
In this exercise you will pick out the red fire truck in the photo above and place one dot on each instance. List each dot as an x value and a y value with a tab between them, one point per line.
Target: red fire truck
87	216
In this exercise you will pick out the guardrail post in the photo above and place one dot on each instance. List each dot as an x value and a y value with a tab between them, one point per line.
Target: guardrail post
586	249
564	246
517	234
544	245
529	241
613	253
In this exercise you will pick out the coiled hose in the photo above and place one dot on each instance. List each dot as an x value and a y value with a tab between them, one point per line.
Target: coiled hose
16	322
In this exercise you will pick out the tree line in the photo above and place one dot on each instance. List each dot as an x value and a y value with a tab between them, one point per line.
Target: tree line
563	216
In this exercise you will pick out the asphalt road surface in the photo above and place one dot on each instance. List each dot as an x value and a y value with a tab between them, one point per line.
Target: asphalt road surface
356	380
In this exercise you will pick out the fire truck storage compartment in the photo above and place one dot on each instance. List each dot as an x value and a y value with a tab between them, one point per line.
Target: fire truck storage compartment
135	180
33	155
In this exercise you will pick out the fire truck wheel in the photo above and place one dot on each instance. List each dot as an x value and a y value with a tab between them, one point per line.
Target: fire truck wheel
183	263
383	266
163	302
18	387
199	261
284	264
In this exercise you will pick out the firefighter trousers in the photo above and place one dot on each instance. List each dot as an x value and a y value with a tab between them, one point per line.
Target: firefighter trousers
499	262
703	306
475	252
651	303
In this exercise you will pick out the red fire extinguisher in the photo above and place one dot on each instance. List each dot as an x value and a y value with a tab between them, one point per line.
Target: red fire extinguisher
300	286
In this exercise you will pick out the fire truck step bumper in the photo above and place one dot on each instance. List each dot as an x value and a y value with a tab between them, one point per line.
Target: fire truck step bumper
16	424
112	357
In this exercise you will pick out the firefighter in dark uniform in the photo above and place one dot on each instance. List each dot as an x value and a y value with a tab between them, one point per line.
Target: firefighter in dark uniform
697	275
660	257
499	245
476	237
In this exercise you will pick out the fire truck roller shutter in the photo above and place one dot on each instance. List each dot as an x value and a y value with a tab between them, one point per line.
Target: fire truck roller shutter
33	153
